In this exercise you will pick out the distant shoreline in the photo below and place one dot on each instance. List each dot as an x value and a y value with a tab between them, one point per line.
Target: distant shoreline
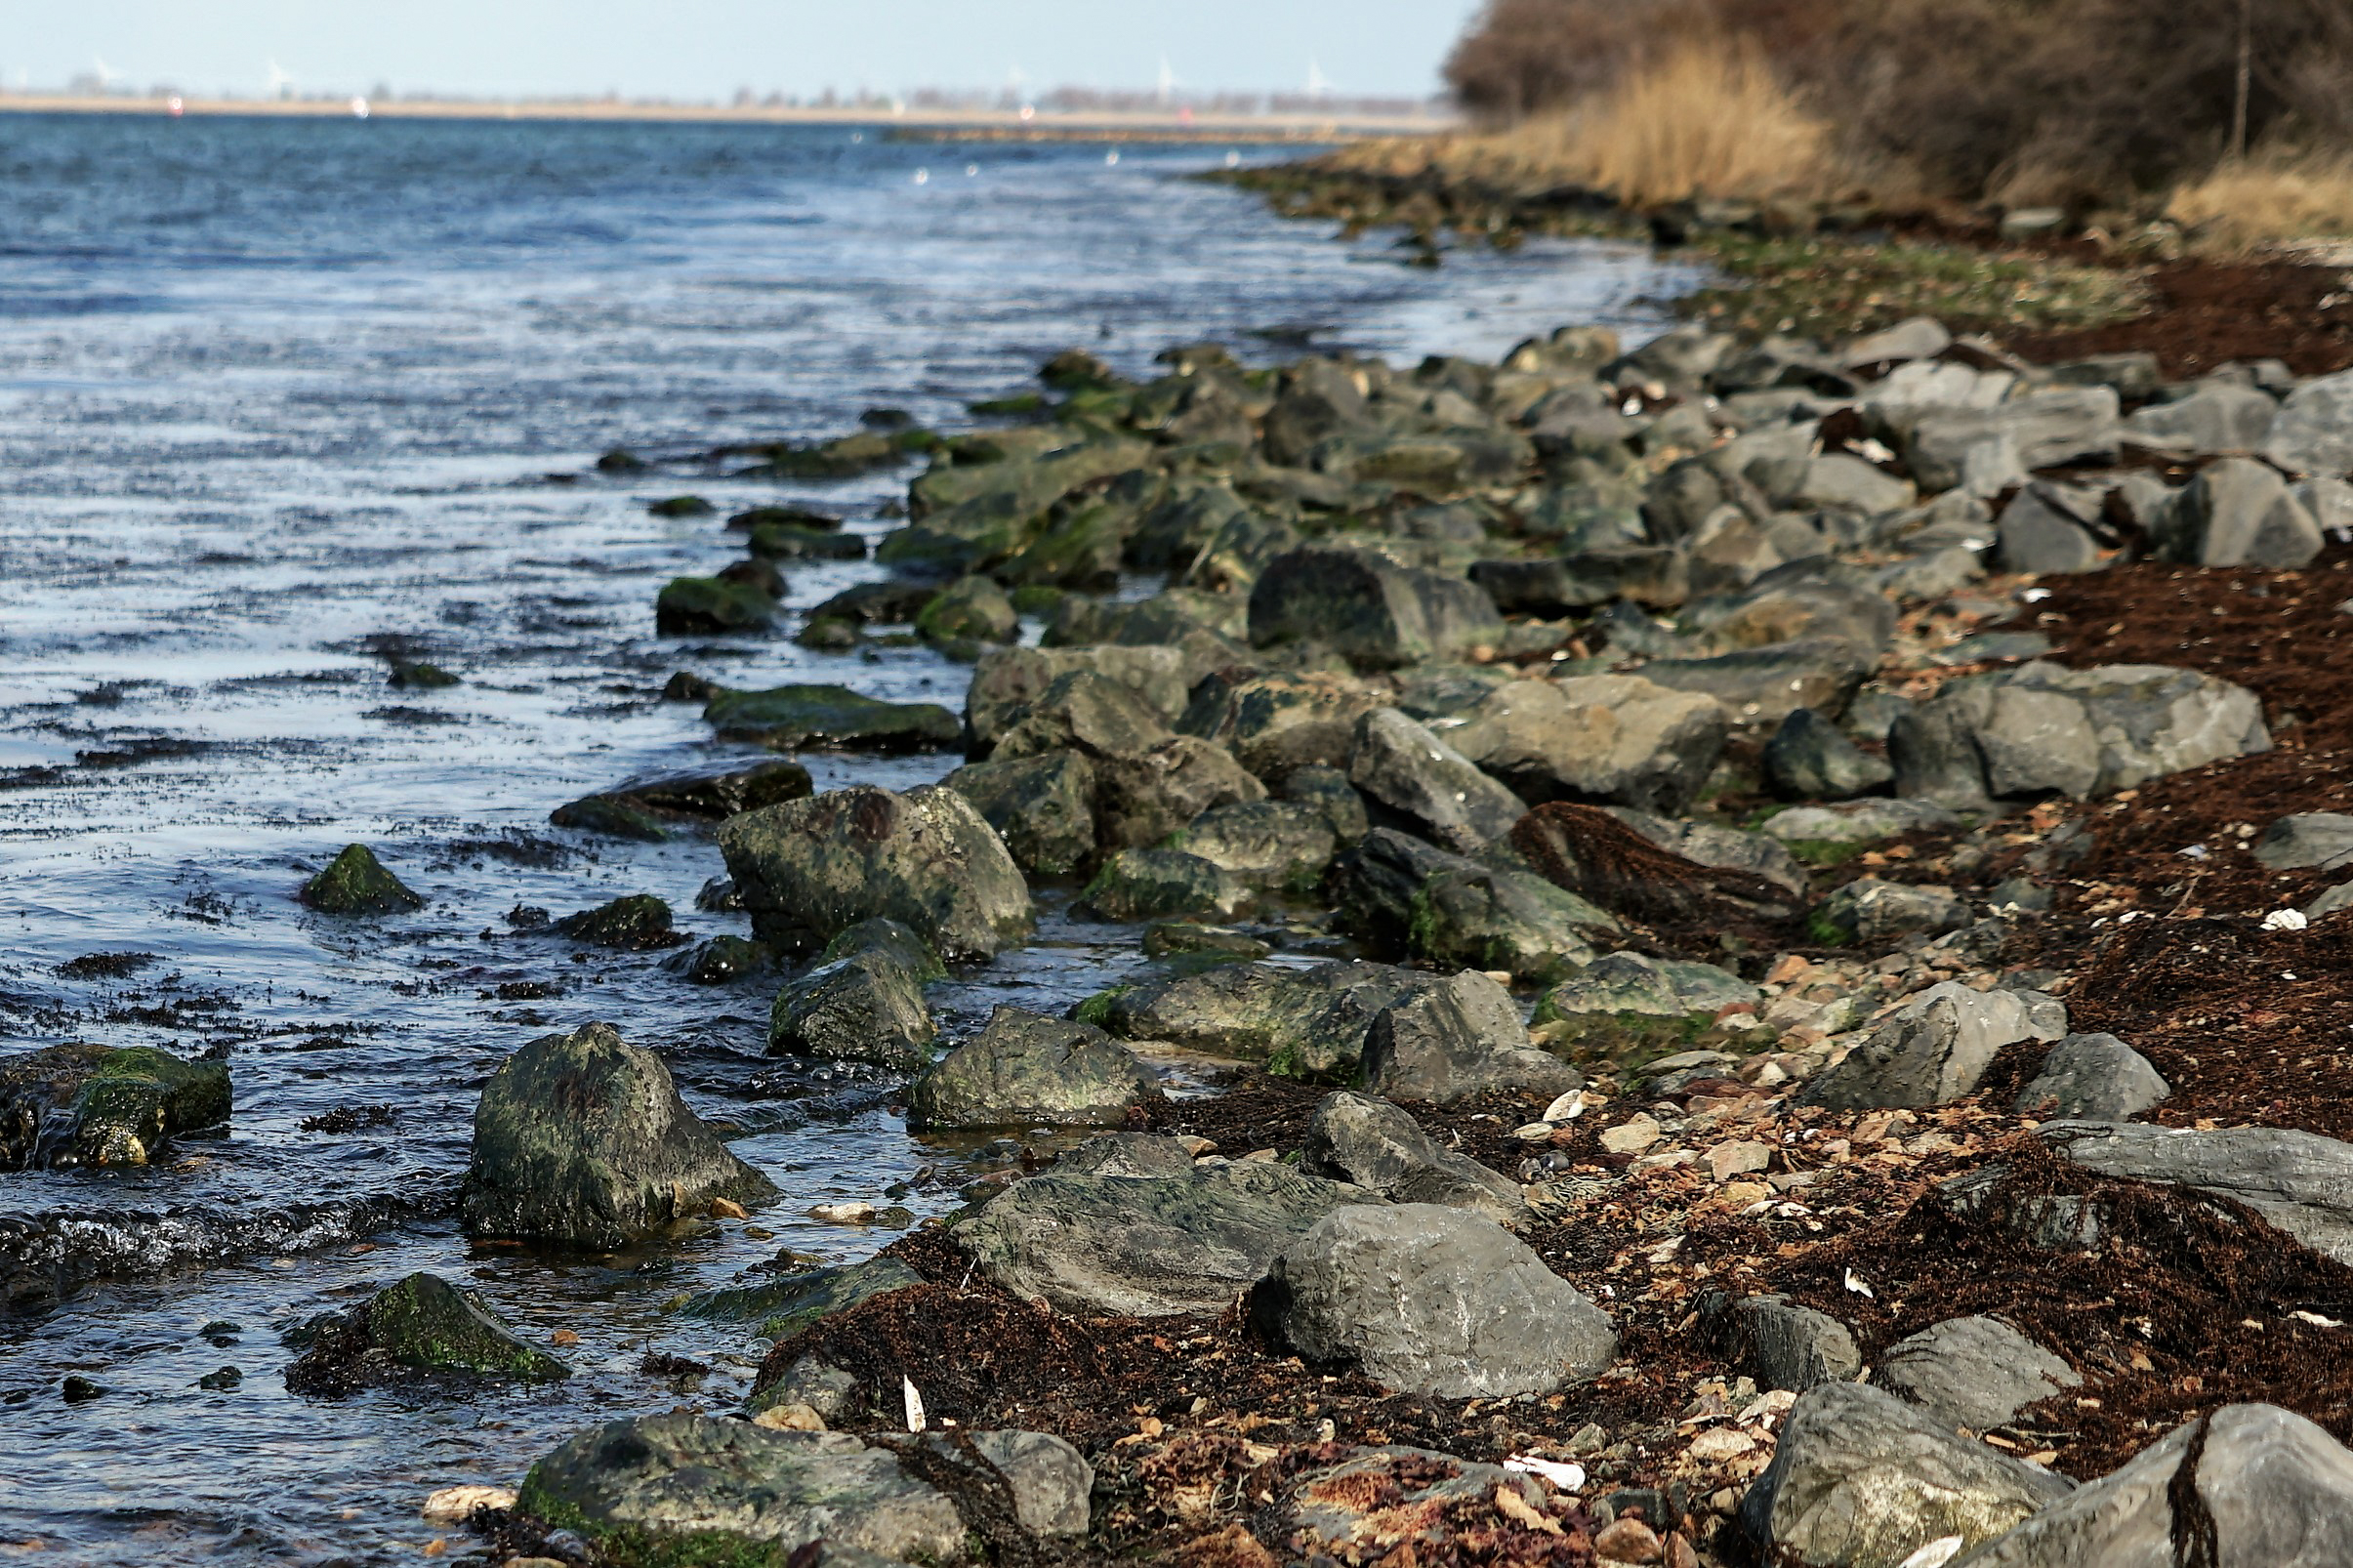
960	123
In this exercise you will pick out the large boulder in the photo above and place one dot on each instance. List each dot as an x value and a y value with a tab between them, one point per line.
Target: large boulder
1860	1479
2043	532
2273	1489
355	882
1871	910
1308	1024
581	1140
2300	1182
1083	711
1406	772
1146	1246
1265	844
1027	1070
1617	738
2217	417
1933	1052
1985	450
1372	1144
2043	729
2319	838
1972	1373
787	718
684	1488
1142	797
2313	433
1427	1300
1376	614
87	1104
2237	512
809	869
1043	806
1456	1039
1162	884
783	1307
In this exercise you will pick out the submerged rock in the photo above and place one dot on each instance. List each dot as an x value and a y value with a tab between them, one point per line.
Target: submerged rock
85	1105
653	809
688	606
635	923
784	1308
424	1324
789	717
355	882
810	869
582	1140
1028	1070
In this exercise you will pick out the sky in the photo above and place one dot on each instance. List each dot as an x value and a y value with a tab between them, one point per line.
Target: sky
708	49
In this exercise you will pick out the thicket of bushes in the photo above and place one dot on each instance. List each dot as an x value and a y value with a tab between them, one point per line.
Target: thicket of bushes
2070	100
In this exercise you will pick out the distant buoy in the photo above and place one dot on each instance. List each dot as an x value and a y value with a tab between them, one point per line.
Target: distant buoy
1111	158
359	109
923	177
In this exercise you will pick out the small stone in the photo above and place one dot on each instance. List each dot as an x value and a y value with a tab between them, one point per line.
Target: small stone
1631	1136
1626	1541
792	1416
355	882
454	1504
844	1213
1728	1160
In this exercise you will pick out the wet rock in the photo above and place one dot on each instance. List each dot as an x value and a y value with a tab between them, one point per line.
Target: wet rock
1868	910
2042	730
2313	433
864	1005
1810	758
1374	613
1265	844
1043	806
1455	1039
2275	1489
634	923
417	676
689	606
791	541
1933	1052
2322	838
2300	1182
422	1324
810	869
784	1308
726	960
834	717
1972	1373
2237	512
1007	680
1615	738
1629	1001
892	602
1861	1480
2095	1078
653	808
1428	1300
679	1487
1780	1343
582	1140
973	608
1081	711
86	1104
1308	1024
355	882
1157	883
1408	773
1146	1246
1189	940
1141	797
1371	1144
1276	722
1725	849
1027	1070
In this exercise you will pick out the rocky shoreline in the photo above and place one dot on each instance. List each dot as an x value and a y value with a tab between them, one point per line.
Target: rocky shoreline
1758	914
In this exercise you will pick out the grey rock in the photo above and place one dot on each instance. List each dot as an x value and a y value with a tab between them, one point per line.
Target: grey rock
1464	914
1856	821
1008	679
1780	1343
2322	838
1265	844
2214	418
2300	1182
1371	1144
1917	338
1869	910
653	808
1760	686
672	1482
1376	614
1328	791
1457	1038
784	1308
1809	758
868	1007
809	869
2313	434
1128	1154
1278	721
825	1389
1428	1300
2278	1489
1160	884
1628	999
2331	502
1083	711
2330	901
2095	1078
2040	533
1935	573
1979	447
1972	1373
1859	1479
1051	1483
1141	797
582	1140
1615	738
1307	1022
1408	772
1027	1070
1712	845
1146	1246
1043	806
2237	512
1934	1050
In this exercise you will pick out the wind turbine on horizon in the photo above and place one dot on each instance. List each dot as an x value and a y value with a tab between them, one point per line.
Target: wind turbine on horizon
280	81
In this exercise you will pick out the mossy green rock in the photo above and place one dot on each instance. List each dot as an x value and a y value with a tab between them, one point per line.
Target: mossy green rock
890	940
1628	1007
974	608
1153	883
635	923
681	505
693	605
86	1104
650	808
1029	1070
1479	917
1308	1024
866	1007
421	677
785	1307
789	717
1043	808
685	1491
355	882
582	1140
427	1322
789	541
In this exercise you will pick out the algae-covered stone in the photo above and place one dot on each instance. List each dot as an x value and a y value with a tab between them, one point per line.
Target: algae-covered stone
1480	917
786	1306
355	882
1043	808
1374	613
691	605
1627	1004
974	608
834	717
680	506
810	869
1028	1070
866	1007
87	1104
635	923
890	939
1303	1022
1266	844
582	1140
650	808
1153	883
427	1322
680	1490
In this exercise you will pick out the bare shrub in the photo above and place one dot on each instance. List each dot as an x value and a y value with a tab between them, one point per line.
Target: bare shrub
2276	195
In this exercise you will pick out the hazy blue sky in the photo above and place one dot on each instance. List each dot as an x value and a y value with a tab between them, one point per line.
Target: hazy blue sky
710	48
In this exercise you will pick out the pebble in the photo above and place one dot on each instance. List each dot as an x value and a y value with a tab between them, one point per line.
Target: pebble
844	1213
1631	1136
795	1416
1728	1160
454	1504
1626	1541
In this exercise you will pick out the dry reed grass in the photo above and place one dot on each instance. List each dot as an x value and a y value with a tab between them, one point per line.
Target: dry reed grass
2269	197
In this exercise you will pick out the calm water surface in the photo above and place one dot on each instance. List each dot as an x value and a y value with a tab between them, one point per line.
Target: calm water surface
277	398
